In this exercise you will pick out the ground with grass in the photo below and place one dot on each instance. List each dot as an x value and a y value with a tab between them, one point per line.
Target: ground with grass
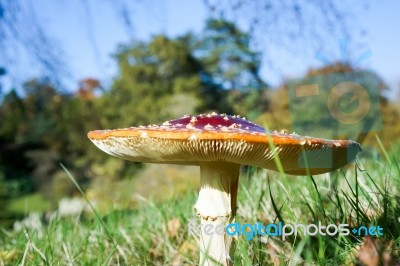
156	233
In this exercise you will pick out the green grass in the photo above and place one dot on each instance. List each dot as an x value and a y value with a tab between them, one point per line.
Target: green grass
156	233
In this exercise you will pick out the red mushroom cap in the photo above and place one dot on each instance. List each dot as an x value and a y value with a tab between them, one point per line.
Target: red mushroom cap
215	137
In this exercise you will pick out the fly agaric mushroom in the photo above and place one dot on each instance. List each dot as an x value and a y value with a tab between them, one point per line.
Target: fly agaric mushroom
220	144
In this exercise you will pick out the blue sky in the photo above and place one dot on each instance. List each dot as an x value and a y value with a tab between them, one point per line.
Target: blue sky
88	49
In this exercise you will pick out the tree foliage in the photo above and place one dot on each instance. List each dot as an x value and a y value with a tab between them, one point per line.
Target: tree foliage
310	115
226	54
157	80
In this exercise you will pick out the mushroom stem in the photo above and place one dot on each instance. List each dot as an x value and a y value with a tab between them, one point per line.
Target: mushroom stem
216	206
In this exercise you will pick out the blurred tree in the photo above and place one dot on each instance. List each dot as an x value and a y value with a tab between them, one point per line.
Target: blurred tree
311	113
225	52
88	87
13	163
327	78
277	115
40	130
226	55
12	104
2	73
157	81
30	125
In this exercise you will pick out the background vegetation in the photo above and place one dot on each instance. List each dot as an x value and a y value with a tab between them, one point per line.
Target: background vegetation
163	78
159	80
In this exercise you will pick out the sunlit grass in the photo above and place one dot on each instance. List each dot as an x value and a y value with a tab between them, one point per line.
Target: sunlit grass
157	233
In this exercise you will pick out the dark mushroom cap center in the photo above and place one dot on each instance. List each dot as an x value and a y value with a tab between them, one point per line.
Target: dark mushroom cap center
214	121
